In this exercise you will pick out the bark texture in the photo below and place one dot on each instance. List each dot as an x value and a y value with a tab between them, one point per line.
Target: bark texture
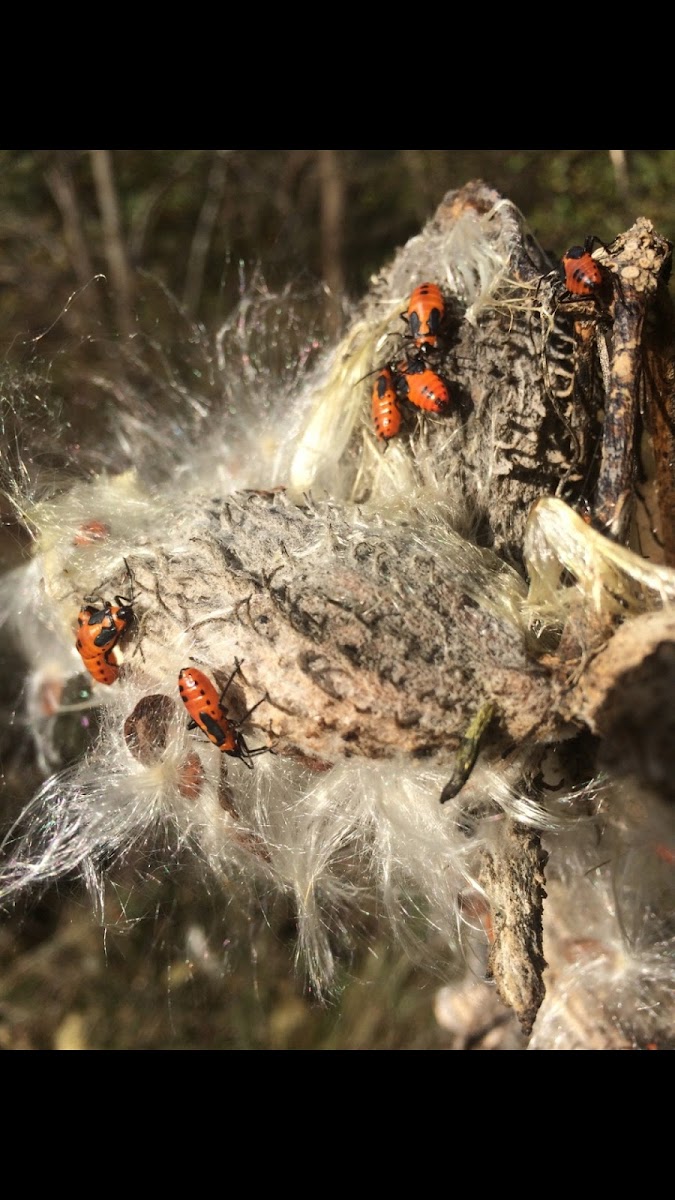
513	876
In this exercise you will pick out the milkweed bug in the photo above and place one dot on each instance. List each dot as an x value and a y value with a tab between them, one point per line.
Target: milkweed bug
97	636
100	666
424	316
386	412
422	387
102	628
99	631
207	713
581	274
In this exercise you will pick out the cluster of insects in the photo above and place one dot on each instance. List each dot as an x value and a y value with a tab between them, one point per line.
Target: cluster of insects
413	378
101	626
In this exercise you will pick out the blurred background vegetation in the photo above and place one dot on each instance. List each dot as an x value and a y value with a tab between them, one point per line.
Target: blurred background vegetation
178	973
187	216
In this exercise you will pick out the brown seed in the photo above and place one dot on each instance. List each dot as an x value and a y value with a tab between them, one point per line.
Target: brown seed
191	776
146	729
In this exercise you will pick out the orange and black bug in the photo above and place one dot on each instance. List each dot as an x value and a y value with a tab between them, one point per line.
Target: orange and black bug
207	713
96	639
579	271
424	316
421	386
100	666
385	409
99	630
